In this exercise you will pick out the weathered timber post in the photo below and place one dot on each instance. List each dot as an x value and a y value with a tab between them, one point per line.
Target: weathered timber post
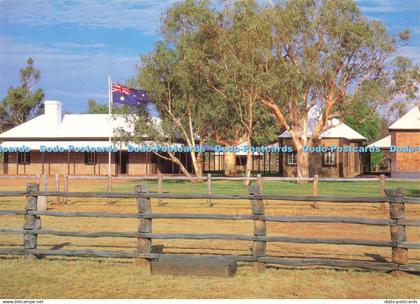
260	229
66	187
43	200
398	231
109	179
382	190
315	190
260	182
160	187
209	201
144	245
57	187
382	185
32	222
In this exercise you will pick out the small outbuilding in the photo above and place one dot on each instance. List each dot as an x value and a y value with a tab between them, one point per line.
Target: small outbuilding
403	145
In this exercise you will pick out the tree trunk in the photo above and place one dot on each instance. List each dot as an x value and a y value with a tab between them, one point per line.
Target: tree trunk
175	160
248	167
230	164
302	165
197	165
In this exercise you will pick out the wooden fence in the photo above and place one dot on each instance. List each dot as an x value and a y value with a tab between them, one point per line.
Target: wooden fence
397	223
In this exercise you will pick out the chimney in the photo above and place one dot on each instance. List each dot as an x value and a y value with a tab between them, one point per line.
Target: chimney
53	113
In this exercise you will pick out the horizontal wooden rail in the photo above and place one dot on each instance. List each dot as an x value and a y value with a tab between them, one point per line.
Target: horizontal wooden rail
385	266
286	219
237	178
214	236
12	193
17	176
12	212
321	198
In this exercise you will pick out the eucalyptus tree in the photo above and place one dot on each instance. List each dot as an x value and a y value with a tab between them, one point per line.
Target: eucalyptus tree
24	101
324	51
182	102
231	50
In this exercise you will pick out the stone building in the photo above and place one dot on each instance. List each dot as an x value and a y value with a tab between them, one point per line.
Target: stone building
403	145
76	133
328	163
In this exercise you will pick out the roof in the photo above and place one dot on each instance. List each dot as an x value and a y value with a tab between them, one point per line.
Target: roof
337	129
72	126
70	144
382	143
410	121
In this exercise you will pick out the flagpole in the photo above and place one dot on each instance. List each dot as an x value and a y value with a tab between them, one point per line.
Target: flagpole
110	132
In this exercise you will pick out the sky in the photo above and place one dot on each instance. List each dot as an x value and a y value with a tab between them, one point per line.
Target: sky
76	44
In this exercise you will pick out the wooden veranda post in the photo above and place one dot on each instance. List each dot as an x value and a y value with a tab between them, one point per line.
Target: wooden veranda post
32	222
398	231
144	245
260	228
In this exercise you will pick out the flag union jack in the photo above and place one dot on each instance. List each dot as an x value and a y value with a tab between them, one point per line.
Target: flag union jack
120	89
128	96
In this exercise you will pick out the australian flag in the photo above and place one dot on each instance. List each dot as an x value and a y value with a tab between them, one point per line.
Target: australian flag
128	96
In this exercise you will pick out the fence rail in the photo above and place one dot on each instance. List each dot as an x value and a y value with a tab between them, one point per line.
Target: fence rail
63	181
394	197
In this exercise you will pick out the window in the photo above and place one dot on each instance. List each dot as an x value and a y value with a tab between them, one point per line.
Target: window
291	159
90	158
24	157
328	158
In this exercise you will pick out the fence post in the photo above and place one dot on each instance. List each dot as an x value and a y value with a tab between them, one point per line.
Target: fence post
57	187
260	229
144	245
382	190
109	187
160	187
260	182
209	201
66	187
32	222
315	190
398	231
382	185
43	200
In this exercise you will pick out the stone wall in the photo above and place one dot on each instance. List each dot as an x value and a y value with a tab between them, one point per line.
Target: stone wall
405	164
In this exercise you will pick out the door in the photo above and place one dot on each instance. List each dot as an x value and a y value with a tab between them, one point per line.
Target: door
124	162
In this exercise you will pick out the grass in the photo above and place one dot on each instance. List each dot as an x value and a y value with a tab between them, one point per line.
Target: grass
122	278
119	279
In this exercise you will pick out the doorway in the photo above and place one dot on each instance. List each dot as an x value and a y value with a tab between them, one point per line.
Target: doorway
122	158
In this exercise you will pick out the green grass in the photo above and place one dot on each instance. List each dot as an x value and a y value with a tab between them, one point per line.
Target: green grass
275	187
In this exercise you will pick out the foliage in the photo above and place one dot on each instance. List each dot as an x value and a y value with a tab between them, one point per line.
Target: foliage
22	103
96	108
324	51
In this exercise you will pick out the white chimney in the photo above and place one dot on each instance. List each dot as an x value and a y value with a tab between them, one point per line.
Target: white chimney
53	113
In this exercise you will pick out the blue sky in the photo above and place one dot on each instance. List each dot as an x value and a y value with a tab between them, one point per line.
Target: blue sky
77	43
